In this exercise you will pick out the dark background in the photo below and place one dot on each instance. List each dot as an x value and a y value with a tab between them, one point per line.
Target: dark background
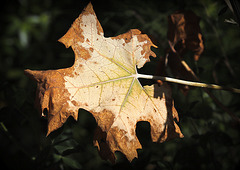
29	33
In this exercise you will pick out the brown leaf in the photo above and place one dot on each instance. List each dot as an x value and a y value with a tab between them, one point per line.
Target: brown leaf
104	81
184	33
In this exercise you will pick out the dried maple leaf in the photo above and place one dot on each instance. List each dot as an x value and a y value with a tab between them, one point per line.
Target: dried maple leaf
104	81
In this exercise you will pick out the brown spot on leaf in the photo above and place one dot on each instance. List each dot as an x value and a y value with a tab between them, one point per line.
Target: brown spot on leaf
74	102
91	49
133	132
84	53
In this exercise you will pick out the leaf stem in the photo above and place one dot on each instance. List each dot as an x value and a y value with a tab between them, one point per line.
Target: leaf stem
189	83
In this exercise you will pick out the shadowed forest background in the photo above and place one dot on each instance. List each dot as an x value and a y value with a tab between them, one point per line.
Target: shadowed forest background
29	33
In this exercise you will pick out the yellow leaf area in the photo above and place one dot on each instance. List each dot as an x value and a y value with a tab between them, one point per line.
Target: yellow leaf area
104	81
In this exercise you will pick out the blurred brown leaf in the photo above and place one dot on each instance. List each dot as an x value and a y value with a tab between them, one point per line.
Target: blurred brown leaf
184	34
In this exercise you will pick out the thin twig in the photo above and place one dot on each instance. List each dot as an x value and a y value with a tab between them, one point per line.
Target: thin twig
197	84
231	114
189	83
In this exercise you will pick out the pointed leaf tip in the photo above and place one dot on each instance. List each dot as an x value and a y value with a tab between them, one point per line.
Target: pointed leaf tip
74	33
34	75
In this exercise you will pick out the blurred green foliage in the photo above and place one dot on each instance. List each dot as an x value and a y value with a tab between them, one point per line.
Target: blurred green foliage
28	39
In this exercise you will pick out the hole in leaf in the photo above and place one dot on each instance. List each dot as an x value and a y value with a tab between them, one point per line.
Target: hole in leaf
45	112
143	132
86	120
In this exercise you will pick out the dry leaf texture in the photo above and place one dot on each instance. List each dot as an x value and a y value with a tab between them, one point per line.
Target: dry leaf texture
103	81
184	33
